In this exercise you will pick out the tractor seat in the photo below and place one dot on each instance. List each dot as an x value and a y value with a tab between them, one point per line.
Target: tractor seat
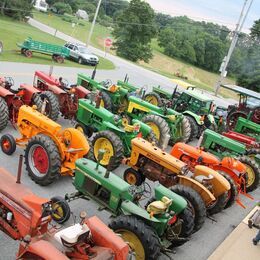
159	206
202	178
15	91
72	235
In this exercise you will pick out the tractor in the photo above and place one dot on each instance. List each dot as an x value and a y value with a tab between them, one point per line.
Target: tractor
113	132
50	151
233	170
222	146
203	188
164	222
247	107
26	217
61	97
12	99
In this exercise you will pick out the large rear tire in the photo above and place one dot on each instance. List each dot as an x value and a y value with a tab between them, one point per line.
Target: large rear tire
42	159
159	127
4	114
195	203
113	146
37	101
106	101
186	130
153	98
52	107
141	238
218	205
194	128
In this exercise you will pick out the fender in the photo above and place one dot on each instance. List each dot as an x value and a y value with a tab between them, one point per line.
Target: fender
56	90
82	92
4	92
195	116
219	183
29	92
205	194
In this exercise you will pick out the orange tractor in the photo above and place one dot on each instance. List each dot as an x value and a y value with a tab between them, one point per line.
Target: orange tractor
204	188
233	170
27	217
50	151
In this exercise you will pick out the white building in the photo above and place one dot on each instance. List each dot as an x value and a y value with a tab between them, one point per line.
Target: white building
41	5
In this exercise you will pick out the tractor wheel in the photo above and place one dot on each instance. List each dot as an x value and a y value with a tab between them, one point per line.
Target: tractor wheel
195	203
233	192
86	130
252	152
37	101
106	101
159	126
52	107
141	238
4	114
256	115
186	130
42	159
113	146
60	209
233	117
153	98
252	173
133	177
28	53
59	59
8	144
218	205
194	128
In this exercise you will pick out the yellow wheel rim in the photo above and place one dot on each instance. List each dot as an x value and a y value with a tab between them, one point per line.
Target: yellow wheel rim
123	105
102	103
58	211
250	175
131	178
151	99
104	144
134	243
80	128
155	129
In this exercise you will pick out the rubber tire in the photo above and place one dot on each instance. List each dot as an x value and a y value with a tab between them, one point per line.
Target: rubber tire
194	128
253	117
140	178
186	128
117	144
155	95
80	60
53	155
65	207
28	53
254	166
36	100
86	129
233	189
4	114
108	103
59	59
161	124
242	114
253	151
12	142
195	200
220	204
145	233
54	104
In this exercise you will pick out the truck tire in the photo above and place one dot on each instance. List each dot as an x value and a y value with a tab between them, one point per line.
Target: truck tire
36	100
4	114
159	126
42	159
218	205
233	192
52	106
139	236
195	203
112	144
153	98
106	101
8	144
186	130
253	173
60	210
193	127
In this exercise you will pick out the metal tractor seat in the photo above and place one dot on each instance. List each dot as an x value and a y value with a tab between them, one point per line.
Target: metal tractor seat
159	206
70	236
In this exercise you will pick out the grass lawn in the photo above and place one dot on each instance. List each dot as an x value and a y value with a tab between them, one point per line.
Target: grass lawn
12	32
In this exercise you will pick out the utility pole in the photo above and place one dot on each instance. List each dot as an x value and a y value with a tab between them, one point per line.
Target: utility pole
93	23
226	59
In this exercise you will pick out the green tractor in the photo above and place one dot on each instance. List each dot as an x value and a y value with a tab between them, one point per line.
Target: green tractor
113	132
164	222
222	146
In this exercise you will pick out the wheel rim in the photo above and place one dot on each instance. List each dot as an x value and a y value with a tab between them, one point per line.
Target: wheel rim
80	128
38	160
6	145
155	129
123	105
256	116
58	212
250	175
131	178
102	103
134	243
232	120
152	100
104	144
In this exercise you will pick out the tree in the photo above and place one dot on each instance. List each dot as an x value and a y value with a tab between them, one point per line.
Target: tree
134	31
62	8
255	31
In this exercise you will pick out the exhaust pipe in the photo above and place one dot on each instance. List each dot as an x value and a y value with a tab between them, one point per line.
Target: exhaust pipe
19	172
166	142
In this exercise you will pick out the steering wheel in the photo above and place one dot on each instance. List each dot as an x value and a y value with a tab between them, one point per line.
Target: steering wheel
9	81
144	190
65	82
107	83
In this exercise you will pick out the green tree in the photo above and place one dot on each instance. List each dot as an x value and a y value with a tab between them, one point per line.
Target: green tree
134	31
62	8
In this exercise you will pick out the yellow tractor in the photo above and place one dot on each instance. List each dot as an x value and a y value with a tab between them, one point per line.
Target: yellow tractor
204	188
50	151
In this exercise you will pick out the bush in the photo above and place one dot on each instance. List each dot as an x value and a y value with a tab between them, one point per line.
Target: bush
62	8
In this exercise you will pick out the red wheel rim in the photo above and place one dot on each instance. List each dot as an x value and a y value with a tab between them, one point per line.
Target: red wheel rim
40	159
6	144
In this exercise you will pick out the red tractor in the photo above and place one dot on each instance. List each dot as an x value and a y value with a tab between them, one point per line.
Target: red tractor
12	99
64	96
27	217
